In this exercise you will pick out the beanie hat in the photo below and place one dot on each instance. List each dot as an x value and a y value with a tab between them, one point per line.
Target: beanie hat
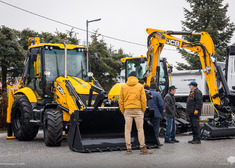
133	73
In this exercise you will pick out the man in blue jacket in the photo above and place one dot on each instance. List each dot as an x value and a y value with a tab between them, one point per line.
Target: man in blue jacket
157	104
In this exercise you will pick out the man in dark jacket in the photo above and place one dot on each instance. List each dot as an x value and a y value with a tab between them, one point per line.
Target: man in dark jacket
170	113
194	106
156	104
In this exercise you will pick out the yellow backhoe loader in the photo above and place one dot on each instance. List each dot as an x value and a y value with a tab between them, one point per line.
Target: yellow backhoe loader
53	89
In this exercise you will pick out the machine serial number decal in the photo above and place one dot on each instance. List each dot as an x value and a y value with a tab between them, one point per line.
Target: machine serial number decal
60	89
173	42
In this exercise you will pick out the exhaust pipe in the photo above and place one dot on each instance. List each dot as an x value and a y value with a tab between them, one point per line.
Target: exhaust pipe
65	60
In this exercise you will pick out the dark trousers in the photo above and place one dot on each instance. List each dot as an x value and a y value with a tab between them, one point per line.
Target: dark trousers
194	121
156	126
170	129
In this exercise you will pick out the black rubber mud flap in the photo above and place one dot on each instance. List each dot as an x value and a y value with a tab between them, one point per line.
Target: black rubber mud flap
74	136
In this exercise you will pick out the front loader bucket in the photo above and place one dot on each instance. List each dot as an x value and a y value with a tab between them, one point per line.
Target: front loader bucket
96	131
103	130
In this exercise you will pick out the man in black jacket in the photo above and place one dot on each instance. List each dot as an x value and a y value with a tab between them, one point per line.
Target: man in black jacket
170	113
194	106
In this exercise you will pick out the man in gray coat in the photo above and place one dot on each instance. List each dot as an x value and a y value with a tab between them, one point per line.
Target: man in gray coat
170	113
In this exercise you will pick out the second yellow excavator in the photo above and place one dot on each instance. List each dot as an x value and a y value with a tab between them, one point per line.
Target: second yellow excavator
222	100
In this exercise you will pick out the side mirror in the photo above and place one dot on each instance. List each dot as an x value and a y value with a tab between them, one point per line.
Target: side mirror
96	58
89	74
171	68
233	87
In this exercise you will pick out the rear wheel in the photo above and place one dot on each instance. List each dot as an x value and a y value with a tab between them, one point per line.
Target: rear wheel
53	127
20	119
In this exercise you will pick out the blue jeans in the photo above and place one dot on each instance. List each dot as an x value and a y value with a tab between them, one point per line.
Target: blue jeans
170	129
156	126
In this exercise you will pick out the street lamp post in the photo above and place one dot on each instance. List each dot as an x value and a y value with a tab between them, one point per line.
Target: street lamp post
88	21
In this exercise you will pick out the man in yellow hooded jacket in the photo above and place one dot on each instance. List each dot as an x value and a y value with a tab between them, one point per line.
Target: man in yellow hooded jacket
132	103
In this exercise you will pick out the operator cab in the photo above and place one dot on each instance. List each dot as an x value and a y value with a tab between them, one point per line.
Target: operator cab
55	66
50	59
140	66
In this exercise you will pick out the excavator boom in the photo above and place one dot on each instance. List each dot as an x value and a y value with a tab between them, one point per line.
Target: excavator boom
205	49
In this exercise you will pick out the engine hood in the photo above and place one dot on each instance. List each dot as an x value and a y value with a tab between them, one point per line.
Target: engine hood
80	86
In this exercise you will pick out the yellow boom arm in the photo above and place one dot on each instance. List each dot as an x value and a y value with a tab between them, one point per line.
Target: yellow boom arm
205	49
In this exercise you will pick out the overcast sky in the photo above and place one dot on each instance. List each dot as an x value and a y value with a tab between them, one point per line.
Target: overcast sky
122	19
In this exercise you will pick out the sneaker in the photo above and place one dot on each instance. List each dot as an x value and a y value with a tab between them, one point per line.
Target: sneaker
169	141
175	140
144	151
128	151
196	142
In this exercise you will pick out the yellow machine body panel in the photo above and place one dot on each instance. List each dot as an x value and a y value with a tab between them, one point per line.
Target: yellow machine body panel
69	46
63	97
124	59
29	93
10	94
115	91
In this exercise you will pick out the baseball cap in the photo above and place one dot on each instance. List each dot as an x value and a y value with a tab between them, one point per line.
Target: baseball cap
172	87
193	83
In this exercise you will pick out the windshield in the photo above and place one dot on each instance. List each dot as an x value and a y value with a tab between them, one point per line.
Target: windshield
54	63
137	66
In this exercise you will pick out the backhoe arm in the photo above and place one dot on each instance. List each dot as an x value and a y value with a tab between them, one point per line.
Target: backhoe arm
205	49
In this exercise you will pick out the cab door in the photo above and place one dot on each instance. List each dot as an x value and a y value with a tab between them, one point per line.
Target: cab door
34	76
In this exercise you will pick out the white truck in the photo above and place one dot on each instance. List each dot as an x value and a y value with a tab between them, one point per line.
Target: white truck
181	79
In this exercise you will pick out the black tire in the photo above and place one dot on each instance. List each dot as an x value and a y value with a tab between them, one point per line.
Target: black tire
20	119
53	127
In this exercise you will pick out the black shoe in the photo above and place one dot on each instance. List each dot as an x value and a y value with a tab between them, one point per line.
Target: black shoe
176	141
158	143
196	142
169	141
190	141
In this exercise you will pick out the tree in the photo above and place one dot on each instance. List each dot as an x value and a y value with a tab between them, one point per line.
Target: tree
109	64
11	55
209	16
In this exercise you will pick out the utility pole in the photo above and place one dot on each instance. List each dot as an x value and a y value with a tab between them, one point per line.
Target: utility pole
87	44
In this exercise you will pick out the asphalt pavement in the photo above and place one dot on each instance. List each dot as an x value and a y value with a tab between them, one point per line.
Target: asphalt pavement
213	153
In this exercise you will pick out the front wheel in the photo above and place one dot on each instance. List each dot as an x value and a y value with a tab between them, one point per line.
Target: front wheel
53	127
